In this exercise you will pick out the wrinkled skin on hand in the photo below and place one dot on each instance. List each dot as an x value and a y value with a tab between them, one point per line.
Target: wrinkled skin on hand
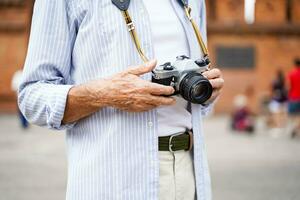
127	91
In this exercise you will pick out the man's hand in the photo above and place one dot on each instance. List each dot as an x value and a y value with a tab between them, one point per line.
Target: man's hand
217	82
127	91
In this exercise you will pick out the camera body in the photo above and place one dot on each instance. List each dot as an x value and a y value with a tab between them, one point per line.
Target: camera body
185	76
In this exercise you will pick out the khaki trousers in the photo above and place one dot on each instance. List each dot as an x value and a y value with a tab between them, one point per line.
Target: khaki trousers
176	178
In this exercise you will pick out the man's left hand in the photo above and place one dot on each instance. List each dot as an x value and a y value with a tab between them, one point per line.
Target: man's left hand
217	82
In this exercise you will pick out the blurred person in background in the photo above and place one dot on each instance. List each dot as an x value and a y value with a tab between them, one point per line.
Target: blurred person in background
242	119
294	98
126	138
15	83
277	105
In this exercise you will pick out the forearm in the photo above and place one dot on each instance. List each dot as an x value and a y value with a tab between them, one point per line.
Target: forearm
82	102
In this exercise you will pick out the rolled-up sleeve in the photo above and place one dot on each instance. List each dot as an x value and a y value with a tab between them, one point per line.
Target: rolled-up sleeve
46	76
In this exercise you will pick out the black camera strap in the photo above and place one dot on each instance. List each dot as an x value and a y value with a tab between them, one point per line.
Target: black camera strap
183	2
123	6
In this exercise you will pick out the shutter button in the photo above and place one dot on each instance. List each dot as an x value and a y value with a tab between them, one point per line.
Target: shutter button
168	67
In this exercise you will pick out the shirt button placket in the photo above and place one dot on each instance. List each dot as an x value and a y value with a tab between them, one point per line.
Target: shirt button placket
150	124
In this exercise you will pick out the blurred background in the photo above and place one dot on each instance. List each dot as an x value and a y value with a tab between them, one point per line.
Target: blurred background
252	151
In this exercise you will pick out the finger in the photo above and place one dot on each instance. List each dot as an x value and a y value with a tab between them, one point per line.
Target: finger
142	69
217	83
157	89
213	73
214	96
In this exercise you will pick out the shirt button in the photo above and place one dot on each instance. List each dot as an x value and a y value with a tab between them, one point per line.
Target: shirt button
150	124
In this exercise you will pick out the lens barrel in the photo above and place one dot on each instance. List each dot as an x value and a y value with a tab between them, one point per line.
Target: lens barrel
195	88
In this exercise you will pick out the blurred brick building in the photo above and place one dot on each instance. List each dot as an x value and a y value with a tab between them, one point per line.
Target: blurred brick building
251	54
248	54
15	20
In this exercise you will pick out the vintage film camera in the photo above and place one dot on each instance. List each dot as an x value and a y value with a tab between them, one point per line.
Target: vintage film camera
185	75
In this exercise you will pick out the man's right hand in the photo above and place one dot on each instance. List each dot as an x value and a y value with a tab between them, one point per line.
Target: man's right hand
127	91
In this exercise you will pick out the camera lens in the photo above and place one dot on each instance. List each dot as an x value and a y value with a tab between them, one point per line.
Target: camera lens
195	88
198	90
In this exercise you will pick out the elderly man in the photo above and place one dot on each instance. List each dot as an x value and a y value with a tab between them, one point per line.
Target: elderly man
119	123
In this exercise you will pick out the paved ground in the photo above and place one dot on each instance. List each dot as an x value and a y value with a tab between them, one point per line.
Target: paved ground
265	166
259	167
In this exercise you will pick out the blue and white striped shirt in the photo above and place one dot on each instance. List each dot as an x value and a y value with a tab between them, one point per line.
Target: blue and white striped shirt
112	154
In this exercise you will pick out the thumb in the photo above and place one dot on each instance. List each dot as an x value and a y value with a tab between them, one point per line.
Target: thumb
143	69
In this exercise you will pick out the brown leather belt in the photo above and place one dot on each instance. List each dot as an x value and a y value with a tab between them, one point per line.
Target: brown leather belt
177	142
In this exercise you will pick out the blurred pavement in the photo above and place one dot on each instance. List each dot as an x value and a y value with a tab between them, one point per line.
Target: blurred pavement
264	166
258	167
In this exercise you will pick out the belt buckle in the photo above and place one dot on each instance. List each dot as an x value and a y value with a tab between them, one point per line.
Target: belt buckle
191	140
170	141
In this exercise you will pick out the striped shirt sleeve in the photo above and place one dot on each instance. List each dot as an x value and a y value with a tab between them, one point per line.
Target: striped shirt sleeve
46	75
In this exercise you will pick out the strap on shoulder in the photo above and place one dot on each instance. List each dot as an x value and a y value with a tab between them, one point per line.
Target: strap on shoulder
184	2
121	4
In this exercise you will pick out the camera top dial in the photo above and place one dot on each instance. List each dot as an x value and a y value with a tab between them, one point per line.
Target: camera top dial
165	70
203	62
